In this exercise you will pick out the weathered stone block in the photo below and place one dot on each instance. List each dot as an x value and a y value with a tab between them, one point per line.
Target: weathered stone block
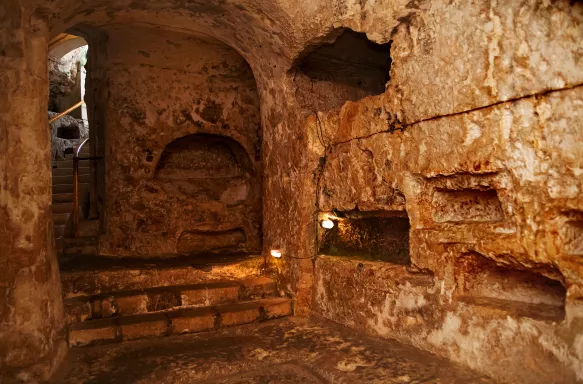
234	315
196	242
144	329
277	308
159	301
77	311
96	308
131	305
211	295
195	323
81	337
257	287
108	307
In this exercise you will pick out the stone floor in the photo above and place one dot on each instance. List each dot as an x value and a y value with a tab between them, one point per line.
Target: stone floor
291	350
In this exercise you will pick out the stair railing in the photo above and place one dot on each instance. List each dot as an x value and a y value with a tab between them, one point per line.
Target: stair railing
66	111
76	187
76	159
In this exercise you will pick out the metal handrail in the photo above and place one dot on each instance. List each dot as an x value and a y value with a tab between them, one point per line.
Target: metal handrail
57	117
76	159
76	187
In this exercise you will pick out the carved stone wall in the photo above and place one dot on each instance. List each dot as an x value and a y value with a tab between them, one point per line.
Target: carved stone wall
479	139
32	341
476	139
183	136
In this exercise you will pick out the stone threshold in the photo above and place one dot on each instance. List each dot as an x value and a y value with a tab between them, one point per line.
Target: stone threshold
255	284
155	299
79	279
103	263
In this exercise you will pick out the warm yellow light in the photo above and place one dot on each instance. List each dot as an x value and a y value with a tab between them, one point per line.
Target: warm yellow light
276	253
328	224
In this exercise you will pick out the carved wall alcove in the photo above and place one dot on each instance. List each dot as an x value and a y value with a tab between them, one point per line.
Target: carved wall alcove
375	236
203	156
536	292
214	176
345	66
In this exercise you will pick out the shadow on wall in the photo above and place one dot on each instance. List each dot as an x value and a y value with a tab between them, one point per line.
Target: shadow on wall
350	67
205	168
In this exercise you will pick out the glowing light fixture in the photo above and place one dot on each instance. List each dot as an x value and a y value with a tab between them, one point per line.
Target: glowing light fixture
276	253
328	224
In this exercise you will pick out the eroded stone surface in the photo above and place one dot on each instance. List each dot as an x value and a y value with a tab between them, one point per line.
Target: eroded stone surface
482	105
467	195
183	131
31	309
288	351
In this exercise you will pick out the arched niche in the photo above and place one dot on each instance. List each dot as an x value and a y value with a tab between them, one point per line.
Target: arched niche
203	156
208	167
206	170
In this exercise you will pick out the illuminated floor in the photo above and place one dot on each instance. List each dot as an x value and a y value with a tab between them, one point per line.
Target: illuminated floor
292	350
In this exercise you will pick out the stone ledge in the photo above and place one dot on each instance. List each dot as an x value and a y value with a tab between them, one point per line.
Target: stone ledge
499	308
133	302
98	275
183	320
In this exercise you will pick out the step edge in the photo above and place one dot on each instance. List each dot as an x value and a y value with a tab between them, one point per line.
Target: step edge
178	312
157	289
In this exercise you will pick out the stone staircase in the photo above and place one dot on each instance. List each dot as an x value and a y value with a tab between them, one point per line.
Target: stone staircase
111	299
63	194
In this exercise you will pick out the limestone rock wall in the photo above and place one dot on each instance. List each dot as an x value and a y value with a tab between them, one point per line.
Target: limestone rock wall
32	343
65	80
66	134
476	140
182	146
479	140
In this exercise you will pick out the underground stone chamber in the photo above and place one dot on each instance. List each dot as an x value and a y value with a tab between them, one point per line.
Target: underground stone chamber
448	139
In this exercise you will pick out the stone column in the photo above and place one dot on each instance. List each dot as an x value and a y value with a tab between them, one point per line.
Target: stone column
31	309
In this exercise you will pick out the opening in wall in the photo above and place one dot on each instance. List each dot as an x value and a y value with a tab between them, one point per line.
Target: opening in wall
347	67
466	206
203	156
214	174
377	236
66	72
536	292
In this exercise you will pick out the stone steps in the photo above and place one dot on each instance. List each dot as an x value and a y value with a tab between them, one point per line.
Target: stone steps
93	275
69	171
155	299
60	231
68	188
178	321
83	153
68	164
62	207
61	218
80	246
68	179
62	198
62	191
